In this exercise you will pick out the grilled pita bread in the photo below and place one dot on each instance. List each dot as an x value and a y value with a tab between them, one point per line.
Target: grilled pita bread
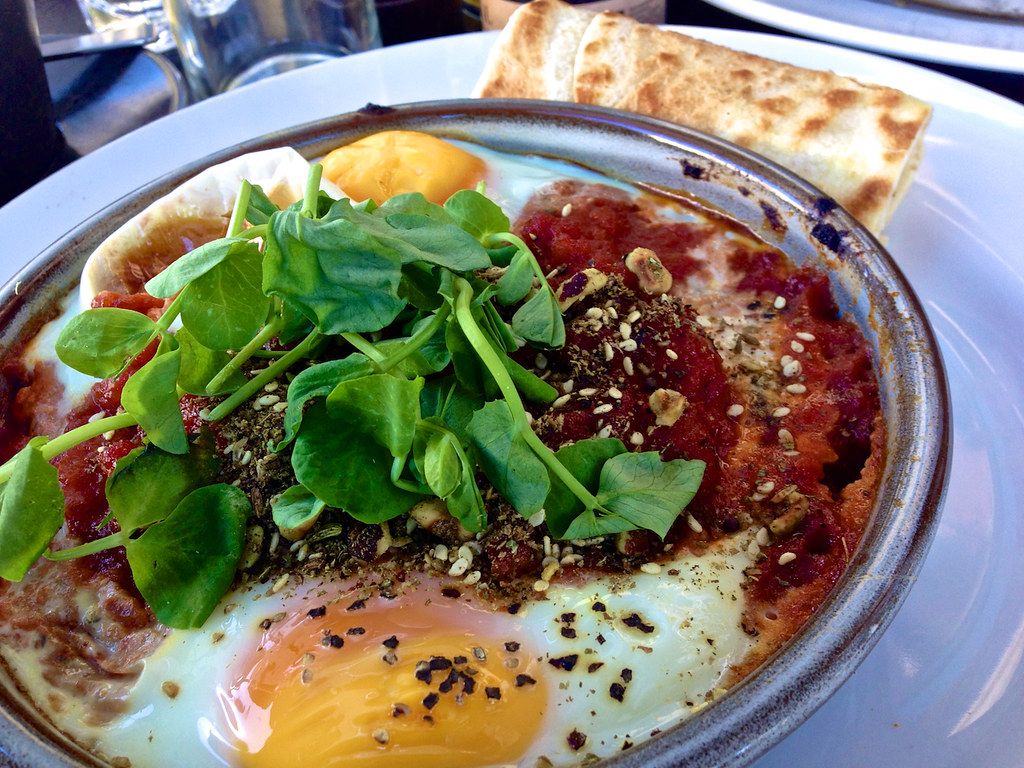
534	56
859	143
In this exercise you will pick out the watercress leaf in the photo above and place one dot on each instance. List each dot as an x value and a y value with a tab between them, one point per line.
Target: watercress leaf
430	358
500	332
199	364
148	483
442	465
324	202
502	257
193	264
646	491
151	396
540	320
31	510
584	460
185	564
469	371
318	381
296	511
451	403
592	523
414	204
347	469
341	277
99	342
477	214
294	324
507	460
225	307
517	280
465	502
419	286
381	405
260	206
417	237
531	386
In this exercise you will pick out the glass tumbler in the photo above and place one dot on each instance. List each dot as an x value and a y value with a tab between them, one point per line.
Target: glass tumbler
227	43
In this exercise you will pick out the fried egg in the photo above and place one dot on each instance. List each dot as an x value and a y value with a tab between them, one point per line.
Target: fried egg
331	674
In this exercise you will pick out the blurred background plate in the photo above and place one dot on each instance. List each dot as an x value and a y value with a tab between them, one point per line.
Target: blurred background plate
988	34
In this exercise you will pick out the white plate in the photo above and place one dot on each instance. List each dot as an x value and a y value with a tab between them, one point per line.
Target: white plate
945	687
892	26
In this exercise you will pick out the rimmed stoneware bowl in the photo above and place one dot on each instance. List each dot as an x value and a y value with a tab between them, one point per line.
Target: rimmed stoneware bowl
778	207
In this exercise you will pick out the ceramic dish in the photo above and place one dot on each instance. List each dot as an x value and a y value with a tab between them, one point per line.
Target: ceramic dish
866	283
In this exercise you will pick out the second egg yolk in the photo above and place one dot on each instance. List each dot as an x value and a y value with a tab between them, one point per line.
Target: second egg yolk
388	688
391	163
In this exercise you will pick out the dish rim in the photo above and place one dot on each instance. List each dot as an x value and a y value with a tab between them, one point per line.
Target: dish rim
813	663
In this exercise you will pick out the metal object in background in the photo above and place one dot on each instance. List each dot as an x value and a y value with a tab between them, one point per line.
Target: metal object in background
132	33
227	43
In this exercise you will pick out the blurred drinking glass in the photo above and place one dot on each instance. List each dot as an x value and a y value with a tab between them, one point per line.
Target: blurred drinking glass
104	13
227	43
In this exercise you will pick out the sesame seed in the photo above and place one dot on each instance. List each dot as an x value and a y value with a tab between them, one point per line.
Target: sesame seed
271	386
566	209
246	458
96	416
536	518
753	549
595	313
540	586
761	537
274	541
796	389
627	365
796	346
629	345
804	336
792	369
605	431
612	313
559	402
441	552
636	438
625	330
549	570
734	410
109	435
671	354
465	553
280	584
588	392
609	353
615	392
633	316
603	408
268	400
541	361
459	567
279	407
567	385
786	360
473	577
780	302
651	568
767	487
694	524
786	439
781	411
786	557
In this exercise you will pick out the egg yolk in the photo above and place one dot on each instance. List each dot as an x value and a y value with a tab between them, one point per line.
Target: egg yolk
391	163
388	687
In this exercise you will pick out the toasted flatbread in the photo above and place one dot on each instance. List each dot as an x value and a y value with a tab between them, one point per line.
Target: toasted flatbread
859	143
534	56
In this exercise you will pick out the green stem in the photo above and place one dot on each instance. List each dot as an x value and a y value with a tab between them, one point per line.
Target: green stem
118	539
260	230
237	221
397	465
270	353
254	385
364	346
270	330
464	316
312	190
70	439
508	237
417	340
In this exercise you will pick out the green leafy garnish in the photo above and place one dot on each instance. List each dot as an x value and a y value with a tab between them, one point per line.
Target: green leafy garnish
100	342
31	510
